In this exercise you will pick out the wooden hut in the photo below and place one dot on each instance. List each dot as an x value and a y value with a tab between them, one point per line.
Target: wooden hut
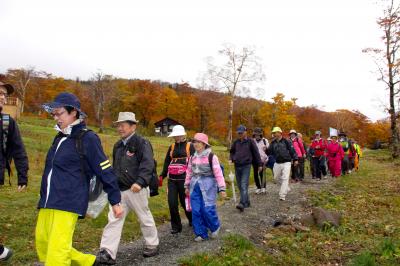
164	126
12	107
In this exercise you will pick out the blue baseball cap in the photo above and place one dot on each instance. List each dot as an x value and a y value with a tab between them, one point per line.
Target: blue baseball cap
241	129
64	99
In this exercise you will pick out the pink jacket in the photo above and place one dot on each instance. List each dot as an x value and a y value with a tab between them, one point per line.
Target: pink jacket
298	147
199	166
335	151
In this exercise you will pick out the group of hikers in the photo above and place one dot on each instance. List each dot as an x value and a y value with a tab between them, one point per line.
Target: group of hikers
195	177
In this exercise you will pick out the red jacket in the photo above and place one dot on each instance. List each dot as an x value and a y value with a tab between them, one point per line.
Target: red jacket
335	151
319	147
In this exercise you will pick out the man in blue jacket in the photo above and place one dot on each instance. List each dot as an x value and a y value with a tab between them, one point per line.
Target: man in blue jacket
12	147
64	192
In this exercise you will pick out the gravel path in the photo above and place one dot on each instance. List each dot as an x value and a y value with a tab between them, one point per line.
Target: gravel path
264	210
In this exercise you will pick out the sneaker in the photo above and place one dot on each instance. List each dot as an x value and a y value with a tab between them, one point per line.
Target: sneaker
240	207
150	252
258	191
263	190
282	199
324	177
199	239
215	233
103	257
7	253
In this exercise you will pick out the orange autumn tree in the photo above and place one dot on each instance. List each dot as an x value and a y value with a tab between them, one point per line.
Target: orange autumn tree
277	113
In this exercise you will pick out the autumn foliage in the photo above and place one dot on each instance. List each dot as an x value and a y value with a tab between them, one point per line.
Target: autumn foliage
197	110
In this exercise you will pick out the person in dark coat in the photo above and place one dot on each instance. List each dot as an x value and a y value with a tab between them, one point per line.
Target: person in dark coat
175	166
133	164
12	147
243	154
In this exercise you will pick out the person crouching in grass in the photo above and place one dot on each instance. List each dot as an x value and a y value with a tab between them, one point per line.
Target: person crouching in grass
204	179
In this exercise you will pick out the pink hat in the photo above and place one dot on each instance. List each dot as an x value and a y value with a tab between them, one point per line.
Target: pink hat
202	138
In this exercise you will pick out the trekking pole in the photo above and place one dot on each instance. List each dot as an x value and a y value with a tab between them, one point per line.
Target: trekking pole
264	176
232	178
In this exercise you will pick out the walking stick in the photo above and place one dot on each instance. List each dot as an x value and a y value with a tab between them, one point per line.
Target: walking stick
232	178
264	176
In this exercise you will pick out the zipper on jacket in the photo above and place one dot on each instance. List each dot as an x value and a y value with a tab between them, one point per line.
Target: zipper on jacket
51	172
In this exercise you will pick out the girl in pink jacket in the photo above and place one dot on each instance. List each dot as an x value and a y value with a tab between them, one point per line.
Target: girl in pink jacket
335	157
204	179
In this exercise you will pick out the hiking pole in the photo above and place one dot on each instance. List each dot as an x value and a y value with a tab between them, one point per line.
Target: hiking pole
264	176
232	178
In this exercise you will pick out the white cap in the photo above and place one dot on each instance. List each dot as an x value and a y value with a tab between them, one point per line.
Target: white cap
177	130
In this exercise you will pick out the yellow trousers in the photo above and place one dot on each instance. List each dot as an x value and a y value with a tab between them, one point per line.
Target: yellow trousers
54	232
356	162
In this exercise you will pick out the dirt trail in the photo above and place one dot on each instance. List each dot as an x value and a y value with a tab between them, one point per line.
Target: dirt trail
264	210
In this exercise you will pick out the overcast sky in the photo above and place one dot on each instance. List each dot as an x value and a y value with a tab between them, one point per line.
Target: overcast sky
310	49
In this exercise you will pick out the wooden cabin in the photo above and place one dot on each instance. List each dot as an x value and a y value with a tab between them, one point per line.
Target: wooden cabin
12	107
164	126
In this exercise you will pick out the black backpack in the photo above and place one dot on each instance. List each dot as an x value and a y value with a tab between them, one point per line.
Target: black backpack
95	185
210	158
153	185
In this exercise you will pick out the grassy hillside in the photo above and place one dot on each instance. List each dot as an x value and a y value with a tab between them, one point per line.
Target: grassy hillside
369	201
18	210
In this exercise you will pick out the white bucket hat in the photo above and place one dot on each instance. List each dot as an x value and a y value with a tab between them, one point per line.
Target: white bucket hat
125	117
177	130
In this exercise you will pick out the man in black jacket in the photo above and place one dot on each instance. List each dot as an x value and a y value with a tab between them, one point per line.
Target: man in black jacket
12	147
243	154
284	153
133	164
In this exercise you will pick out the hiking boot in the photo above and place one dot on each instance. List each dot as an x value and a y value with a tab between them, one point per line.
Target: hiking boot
103	257
263	190
176	231
7	253
150	252
199	239
240	207
215	233
258	191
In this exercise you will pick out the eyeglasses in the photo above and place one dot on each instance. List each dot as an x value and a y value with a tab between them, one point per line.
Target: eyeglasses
57	114
3	94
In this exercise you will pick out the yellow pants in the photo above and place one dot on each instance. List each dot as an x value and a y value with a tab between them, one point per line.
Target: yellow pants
356	162
54	232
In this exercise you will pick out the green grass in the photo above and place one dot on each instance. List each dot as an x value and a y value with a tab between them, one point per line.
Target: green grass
369	201
18	210
236	250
